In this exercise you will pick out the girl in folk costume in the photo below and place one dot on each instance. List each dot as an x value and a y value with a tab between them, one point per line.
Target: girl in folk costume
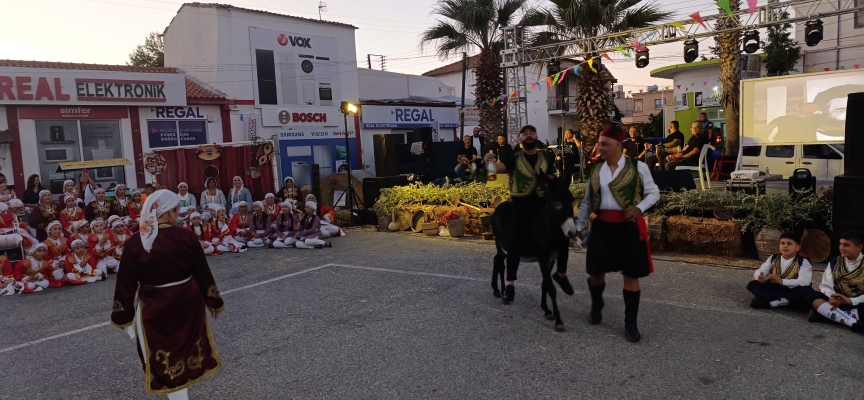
212	195
261	227
186	199
327	216
135	206
32	272
289	191
271	208
69	189
69	214
43	214
241	223
121	235
100	208
223	235
101	244
309	235
203	233
120	202
112	219
286	225
238	194
161	300
81	265
7	278
56	242
80	231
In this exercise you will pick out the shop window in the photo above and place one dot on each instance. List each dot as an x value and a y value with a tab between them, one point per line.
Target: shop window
176	133
780	151
637	106
859	16
658	104
85	140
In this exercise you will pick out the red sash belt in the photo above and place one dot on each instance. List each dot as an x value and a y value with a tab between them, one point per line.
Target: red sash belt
617	217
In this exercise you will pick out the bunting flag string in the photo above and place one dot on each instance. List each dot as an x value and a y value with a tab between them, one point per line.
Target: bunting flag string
549	81
752	5
679	25
591	65
724	4
698	18
562	74
606	56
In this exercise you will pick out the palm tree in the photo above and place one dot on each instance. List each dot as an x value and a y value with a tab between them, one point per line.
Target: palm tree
583	19
729	51
475	25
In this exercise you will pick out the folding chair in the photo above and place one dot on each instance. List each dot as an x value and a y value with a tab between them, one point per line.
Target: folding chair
702	167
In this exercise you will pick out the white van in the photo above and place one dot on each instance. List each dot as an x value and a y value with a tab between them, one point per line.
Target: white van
824	160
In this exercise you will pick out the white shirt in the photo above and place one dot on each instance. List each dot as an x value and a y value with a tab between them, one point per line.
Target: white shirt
607	201
805	273
827	285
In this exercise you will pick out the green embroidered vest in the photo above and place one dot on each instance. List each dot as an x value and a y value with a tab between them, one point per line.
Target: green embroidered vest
626	188
849	284
791	272
523	181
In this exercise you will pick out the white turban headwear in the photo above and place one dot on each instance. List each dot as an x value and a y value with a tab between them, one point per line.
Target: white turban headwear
36	247
16	203
312	205
77	242
157	204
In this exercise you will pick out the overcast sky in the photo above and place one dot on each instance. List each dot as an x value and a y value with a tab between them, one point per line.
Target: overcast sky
106	31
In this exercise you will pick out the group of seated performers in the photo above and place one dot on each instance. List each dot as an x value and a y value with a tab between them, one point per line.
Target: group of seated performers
76	242
785	280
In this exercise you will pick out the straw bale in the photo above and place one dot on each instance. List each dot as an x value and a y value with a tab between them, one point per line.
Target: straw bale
704	236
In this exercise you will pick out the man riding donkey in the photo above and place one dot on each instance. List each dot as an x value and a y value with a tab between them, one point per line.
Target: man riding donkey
620	189
530	173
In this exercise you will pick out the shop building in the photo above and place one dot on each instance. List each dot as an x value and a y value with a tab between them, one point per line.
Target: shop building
56	113
285	78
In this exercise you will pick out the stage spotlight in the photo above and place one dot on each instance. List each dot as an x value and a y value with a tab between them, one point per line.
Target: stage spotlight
348	108
691	50
802	179
813	32
642	58
751	41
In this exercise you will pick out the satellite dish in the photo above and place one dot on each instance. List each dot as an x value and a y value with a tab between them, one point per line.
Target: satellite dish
322	7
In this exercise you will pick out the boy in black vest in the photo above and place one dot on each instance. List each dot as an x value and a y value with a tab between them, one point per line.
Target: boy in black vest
784	278
842	286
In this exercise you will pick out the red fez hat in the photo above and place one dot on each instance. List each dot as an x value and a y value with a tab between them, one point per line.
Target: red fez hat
613	132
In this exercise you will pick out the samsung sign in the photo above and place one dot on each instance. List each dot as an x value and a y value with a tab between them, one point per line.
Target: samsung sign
408	117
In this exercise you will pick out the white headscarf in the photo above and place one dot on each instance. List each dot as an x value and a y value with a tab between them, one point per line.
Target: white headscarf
312	205
117	223
77	242
194	214
287	178
51	225
42	193
242	203
36	247
66	182
186	196
310	195
182	184
269	195
95	221
69	196
258	203
157	204
16	203
116	188
77	225
3	206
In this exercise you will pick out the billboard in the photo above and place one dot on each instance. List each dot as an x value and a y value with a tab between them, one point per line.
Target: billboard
806	108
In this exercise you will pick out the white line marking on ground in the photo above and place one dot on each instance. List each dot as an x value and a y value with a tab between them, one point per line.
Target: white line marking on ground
398	271
91	327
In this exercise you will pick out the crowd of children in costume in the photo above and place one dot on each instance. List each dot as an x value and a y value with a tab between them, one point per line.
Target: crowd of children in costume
80	238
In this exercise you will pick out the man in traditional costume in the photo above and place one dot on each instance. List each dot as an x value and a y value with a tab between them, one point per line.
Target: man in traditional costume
161	299
784	278
528	194
100	208
620	190
33	271
81	266
286	225
842	289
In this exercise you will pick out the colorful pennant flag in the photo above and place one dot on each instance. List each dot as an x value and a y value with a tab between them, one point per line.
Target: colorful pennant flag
637	46
640	90
724	4
842	67
698	18
591	65
752	5
679	86
629	91
827	69
666	88
549	81
562	74
704	83
621	50
648	36
856	66
679	26
692	83
606	56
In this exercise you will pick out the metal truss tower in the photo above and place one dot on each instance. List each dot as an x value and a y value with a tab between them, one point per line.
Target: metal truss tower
513	65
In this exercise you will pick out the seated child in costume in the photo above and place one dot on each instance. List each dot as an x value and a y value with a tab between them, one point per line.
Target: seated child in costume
784	278
842	287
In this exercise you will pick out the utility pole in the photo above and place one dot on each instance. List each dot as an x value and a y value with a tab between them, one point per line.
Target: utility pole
462	110
369	60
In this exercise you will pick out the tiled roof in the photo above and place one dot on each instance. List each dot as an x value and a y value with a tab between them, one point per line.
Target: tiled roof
195	89
473	62
86	67
444	101
230	7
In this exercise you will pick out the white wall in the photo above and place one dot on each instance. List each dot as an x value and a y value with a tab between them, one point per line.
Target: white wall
224	47
831	53
27	131
6	151
383	85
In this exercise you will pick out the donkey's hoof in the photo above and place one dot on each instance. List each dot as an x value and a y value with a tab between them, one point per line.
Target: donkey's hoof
496	293
549	316
559	328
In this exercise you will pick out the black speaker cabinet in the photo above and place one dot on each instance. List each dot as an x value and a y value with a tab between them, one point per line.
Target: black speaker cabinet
372	187
673	180
854	166
444	160
387	147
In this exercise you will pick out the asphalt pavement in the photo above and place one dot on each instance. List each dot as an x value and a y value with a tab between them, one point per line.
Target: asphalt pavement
393	316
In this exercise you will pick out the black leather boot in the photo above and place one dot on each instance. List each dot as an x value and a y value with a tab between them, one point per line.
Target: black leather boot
631	310
596	302
509	294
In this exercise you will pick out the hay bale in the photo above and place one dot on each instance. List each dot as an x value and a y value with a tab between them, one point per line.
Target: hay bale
704	236
339	181
343	219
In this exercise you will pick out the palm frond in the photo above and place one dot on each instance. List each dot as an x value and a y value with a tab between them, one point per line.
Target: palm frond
446	37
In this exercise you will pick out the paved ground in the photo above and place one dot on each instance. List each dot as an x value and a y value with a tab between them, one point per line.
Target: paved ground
387	316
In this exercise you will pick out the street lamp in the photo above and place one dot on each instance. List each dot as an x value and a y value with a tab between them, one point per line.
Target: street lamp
348	108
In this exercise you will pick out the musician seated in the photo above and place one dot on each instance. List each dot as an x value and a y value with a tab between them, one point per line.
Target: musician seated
467	159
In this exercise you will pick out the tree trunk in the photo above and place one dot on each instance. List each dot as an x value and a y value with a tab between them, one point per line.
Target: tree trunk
490	85
729	45
593	106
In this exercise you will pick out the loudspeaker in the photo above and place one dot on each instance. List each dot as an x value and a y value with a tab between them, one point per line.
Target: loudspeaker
387	148
673	180
372	187
848	192
854	166
417	164
444	161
